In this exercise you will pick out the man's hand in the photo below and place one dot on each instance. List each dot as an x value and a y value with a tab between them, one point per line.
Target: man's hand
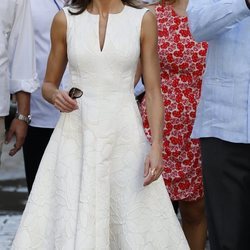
19	129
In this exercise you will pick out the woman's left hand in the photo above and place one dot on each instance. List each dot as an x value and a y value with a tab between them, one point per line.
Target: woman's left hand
153	166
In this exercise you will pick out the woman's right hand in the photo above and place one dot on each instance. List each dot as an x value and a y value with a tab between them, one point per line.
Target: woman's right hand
63	102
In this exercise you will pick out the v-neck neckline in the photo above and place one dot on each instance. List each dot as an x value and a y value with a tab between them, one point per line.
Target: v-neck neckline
110	15
102	46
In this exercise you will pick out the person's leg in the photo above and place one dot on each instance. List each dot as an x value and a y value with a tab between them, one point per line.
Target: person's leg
194	223
2	135
175	206
35	144
226	172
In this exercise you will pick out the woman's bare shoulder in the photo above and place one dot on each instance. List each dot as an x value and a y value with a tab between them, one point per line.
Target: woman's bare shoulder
59	24
151	5
149	18
60	18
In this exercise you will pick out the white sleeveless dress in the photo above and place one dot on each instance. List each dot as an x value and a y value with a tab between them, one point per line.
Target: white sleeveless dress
88	193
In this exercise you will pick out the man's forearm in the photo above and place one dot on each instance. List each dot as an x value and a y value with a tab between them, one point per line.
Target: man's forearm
209	19
23	103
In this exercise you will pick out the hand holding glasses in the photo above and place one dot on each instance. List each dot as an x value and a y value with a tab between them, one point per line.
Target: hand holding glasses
75	93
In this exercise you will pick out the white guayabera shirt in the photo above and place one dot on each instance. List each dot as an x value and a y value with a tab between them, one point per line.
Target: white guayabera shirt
224	108
17	61
44	114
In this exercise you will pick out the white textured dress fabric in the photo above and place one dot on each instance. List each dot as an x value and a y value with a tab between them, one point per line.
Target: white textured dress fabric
88	193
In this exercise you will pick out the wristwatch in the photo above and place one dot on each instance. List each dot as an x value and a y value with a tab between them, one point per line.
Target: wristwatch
24	118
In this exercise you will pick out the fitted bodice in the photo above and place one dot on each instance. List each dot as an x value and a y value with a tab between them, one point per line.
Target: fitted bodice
105	76
112	69
182	59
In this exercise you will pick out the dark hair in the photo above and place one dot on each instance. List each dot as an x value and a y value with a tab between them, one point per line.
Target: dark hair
81	5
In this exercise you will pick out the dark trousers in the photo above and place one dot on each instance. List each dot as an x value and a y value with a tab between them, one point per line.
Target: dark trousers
226	173
35	143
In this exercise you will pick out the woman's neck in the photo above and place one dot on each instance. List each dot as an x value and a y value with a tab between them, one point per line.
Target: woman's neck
180	7
104	7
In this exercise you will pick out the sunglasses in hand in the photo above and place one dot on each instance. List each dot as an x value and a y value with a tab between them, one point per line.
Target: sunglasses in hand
75	93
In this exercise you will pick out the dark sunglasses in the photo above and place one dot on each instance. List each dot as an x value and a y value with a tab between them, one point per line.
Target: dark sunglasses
75	93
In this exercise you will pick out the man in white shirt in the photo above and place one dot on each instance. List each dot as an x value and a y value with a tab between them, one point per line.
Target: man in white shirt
44	115
223	118
17	68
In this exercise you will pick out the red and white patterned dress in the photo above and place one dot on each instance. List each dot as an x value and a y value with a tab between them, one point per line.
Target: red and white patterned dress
182	63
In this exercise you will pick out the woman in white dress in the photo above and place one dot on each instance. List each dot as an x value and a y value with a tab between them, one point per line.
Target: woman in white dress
99	184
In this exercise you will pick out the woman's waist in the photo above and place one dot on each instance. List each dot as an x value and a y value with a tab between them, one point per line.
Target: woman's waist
102	93
102	83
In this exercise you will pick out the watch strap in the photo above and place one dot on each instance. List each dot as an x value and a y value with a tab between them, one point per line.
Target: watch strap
24	118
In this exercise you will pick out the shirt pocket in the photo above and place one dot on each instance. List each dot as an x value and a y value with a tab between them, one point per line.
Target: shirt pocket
219	95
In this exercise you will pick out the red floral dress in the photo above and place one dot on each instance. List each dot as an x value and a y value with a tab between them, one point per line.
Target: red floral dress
182	63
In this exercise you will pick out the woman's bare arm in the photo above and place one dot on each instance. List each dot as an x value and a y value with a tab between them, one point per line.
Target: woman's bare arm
56	65
154	104
138	74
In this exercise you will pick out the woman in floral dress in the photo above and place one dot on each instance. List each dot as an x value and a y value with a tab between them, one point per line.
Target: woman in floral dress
182	63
